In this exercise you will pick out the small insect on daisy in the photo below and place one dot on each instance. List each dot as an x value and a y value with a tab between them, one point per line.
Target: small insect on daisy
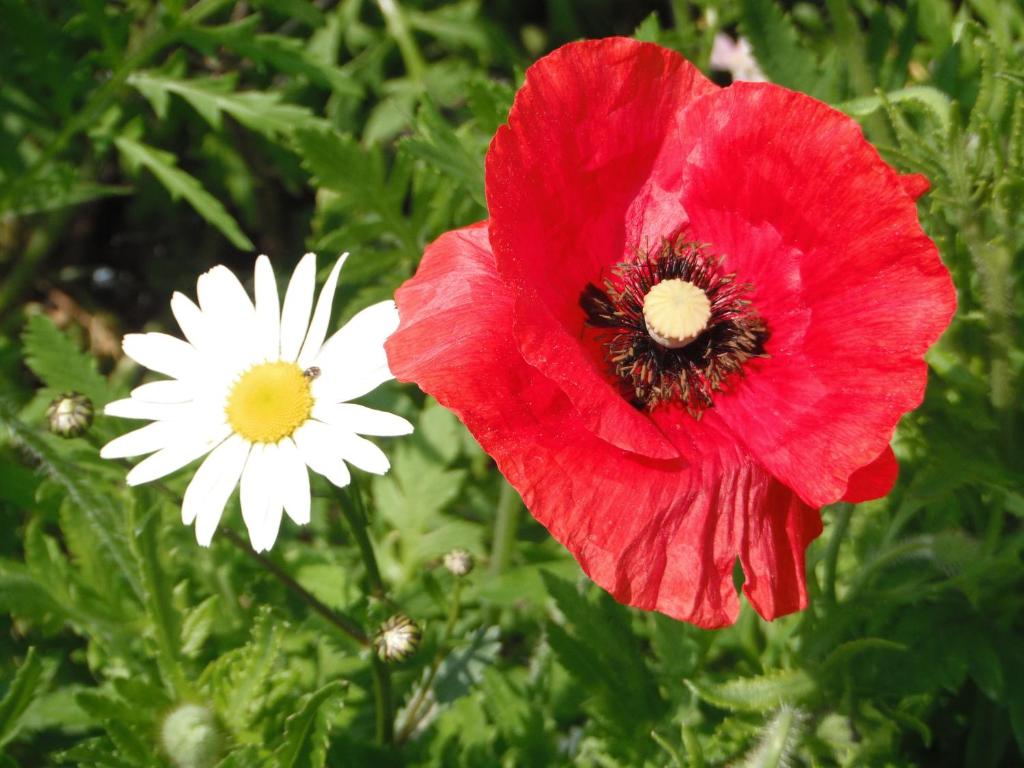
262	390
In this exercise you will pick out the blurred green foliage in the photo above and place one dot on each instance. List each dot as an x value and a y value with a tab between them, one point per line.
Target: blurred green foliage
141	142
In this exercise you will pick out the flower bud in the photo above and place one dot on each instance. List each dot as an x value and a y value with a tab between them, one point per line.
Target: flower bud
70	414
459	562
397	638
191	737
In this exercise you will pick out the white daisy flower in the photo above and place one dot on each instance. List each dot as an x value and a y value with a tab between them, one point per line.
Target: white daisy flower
260	390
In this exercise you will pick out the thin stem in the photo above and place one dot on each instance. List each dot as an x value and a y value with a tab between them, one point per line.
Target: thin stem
842	522
355	515
412	719
339	620
506	524
385	706
398	27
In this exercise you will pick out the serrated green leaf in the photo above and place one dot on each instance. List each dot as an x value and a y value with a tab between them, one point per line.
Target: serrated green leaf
58	361
105	518
180	184
237	680
305	732
195	628
777	46
934	101
262	111
442	149
779	740
757	694
29	681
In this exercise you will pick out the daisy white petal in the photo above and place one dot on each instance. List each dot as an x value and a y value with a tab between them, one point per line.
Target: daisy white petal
361	420
212	486
353	360
294	480
167	391
130	408
230	317
261	502
174	457
315	443
268	309
298	302
162	353
361	452
321	317
152	437
190	319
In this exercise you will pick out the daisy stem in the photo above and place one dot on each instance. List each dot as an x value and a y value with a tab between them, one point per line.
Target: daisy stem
506	523
412	719
339	620
843	511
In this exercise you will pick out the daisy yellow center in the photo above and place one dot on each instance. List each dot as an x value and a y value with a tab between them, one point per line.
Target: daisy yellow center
269	402
676	312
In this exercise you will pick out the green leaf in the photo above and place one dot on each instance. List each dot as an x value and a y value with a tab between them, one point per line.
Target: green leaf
195	628
757	694
58	361
32	677
105	518
597	636
934	102
237	680
261	111
182	185
779	740
305	732
442	149
777	47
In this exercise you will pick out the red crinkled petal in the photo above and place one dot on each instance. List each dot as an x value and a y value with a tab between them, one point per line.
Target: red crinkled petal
875	480
569	191
853	291
657	534
915	184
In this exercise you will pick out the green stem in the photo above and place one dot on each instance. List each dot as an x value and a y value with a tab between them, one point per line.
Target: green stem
506	524
385	706
398	28
412	719
842	522
355	515
339	620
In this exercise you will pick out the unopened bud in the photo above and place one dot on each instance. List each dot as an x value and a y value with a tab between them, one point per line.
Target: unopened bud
70	414
459	562
191	737
397	639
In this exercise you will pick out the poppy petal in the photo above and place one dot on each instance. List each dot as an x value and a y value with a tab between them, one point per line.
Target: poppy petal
853	292
569	191
875	480
656	534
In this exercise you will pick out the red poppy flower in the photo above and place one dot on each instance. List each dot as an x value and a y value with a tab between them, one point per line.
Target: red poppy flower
661	434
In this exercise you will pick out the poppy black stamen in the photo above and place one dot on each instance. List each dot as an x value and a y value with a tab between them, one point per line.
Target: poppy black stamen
652	374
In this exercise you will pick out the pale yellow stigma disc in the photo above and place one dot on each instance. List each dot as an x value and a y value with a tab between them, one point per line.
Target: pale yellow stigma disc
676	312
269	402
